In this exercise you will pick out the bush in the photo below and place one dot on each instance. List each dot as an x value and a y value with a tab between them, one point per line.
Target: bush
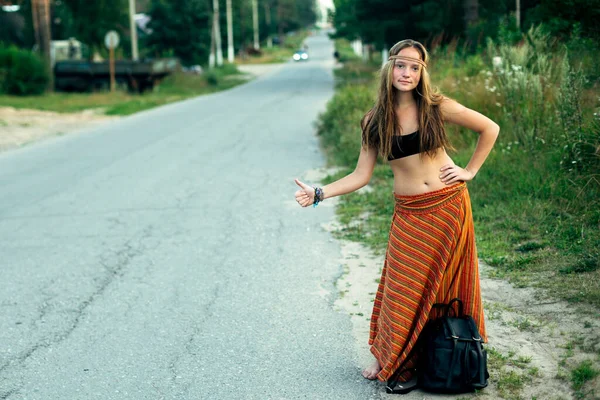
212	78
345	51
536	202
22	72
526	81
339	124
474	65
216	75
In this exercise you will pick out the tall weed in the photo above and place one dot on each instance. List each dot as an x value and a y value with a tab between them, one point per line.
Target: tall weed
339	125
536	201
581	150
525	78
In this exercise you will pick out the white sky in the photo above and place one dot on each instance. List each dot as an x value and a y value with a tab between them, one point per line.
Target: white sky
324	5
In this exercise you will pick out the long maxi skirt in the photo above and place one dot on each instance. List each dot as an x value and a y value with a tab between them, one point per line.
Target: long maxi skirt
431	258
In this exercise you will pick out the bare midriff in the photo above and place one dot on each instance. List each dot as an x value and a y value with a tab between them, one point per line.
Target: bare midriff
419	173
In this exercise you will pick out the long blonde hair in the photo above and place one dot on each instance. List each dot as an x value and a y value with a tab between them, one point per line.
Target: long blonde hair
380	124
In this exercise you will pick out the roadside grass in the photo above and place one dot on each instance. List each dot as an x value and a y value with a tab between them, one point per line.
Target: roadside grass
583	373
355	72
579	372
345	52
536	202
175	87
510	372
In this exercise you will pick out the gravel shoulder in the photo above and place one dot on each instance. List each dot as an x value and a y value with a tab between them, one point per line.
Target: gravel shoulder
19	127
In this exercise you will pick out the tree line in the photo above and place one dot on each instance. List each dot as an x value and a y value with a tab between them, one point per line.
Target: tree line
384	22
179	28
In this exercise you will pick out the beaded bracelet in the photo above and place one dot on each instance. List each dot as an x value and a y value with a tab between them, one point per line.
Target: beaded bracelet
318	196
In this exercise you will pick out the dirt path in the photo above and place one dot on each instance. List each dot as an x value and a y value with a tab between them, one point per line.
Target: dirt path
534	341
19	127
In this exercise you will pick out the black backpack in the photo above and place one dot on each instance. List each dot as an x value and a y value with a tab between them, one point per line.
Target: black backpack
452	358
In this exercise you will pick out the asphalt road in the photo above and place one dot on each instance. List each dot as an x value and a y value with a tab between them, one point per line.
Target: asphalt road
162	256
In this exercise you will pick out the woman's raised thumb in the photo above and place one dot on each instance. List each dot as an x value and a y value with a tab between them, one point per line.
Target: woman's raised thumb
301	184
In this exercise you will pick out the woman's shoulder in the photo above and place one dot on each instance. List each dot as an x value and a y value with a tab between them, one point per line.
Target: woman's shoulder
367	118
450	106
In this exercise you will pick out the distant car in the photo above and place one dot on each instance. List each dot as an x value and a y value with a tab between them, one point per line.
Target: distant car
300	55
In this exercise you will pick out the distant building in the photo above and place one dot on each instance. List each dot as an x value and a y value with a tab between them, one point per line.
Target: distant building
61	50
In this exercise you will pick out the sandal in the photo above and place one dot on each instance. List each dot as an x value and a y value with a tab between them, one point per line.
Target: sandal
402	387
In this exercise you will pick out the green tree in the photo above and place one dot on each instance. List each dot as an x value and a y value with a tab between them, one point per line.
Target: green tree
559	16
384	22
92	19
345	21
291	15
180	28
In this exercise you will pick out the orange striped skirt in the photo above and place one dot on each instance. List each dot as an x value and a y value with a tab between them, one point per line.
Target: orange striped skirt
431	258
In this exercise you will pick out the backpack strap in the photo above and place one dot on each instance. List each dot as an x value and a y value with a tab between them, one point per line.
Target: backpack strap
453	362
477	341
474	330
460	306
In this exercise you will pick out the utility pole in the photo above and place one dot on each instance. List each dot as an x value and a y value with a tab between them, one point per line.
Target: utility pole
518	14
217	32
45	29
211	57
41	23
35	17
230	52
255	23
43	9
133	28
280	22
268	21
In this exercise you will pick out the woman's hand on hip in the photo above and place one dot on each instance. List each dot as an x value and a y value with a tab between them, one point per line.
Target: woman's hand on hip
451	173
305	196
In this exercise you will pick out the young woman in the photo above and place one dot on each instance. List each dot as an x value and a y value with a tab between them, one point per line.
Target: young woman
431	255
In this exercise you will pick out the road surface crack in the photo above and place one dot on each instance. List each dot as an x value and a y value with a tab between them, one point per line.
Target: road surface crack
115	266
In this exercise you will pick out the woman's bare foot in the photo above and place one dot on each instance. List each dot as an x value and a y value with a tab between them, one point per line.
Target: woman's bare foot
372	371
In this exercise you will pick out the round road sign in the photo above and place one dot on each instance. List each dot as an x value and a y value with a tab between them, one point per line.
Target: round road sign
111	40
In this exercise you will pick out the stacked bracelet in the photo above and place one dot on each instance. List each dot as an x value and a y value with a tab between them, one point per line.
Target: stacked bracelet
318	196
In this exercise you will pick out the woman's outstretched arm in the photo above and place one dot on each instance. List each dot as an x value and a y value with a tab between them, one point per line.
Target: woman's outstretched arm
351	182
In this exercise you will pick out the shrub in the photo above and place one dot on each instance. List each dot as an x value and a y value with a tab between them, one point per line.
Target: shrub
345	51
22	72
526	79
474	65
215	76
581	149
339	124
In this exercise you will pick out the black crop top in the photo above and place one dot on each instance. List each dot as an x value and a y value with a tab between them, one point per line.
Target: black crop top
405	146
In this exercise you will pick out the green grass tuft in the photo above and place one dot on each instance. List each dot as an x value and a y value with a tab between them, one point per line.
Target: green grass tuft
583	373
